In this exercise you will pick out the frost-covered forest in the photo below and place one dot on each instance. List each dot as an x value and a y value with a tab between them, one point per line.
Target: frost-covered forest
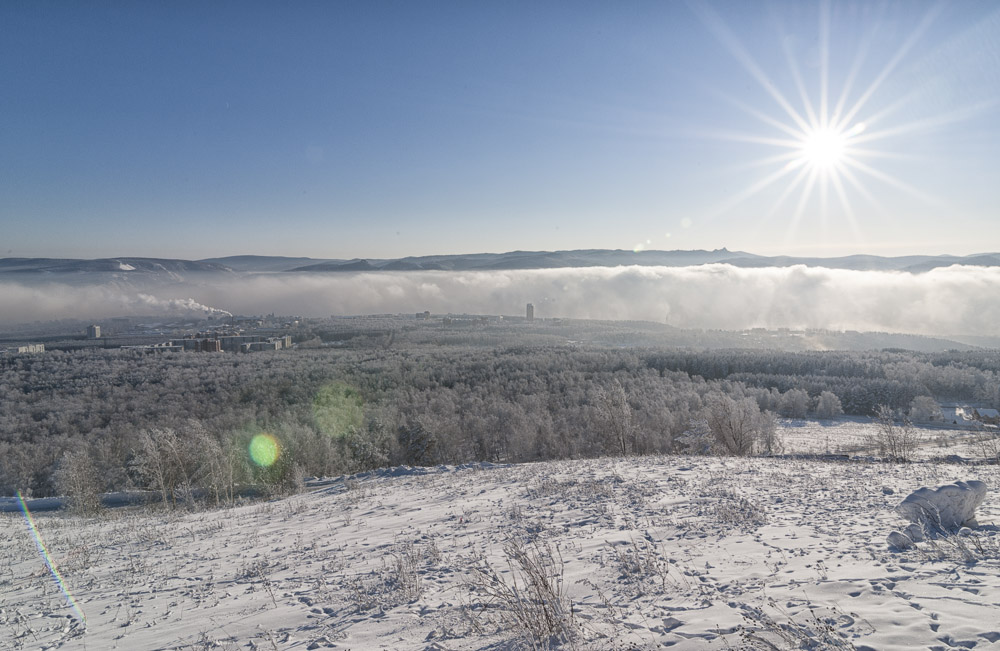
117	416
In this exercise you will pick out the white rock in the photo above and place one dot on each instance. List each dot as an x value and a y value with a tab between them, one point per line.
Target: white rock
914	532
946	507
898	540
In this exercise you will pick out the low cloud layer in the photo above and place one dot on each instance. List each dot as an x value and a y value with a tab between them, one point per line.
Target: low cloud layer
953	300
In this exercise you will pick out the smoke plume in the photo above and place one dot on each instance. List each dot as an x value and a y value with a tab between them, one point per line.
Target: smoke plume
26	302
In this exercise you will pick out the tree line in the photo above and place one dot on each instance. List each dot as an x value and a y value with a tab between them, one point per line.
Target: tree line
182	423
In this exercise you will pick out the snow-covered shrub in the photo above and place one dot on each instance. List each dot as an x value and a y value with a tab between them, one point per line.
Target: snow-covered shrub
397	581
739	512
533	603
988	442
828	405
794	403
966	546
893	441
697	439
925	409
820	629
642	565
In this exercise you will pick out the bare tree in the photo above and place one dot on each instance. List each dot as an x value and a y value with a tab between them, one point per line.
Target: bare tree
768	441
988	442
152	465
616	418
736	424
217	466
167	463
77	479
892	440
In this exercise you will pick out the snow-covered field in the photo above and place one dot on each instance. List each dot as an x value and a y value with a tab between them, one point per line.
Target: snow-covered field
853	435
705	553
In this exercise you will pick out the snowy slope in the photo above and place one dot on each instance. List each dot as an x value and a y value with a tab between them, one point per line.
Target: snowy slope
703	553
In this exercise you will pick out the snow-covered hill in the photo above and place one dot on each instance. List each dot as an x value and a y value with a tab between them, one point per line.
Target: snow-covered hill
707	553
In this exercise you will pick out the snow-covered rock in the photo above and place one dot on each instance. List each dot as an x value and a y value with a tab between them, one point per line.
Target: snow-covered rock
946	507
899	540
914	532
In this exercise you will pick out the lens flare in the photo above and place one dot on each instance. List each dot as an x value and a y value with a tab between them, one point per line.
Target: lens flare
338	409
264	450
49	561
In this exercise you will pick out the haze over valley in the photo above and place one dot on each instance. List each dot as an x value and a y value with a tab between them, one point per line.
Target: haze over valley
928	295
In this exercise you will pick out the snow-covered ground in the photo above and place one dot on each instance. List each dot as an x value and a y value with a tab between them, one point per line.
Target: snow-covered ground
853	436
705	553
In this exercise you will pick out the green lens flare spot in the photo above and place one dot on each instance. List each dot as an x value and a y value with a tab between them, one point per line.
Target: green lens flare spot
338	409
264	450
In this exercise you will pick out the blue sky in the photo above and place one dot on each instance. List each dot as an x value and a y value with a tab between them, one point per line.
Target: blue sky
384	129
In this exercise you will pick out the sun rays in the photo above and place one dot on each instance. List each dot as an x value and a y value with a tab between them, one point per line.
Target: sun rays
822	160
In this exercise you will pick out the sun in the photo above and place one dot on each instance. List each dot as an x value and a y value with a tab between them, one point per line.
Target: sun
827	148
822	140
824	148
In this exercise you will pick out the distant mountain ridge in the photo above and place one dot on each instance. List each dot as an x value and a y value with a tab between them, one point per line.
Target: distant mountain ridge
615	258
114	265
487	262
531	260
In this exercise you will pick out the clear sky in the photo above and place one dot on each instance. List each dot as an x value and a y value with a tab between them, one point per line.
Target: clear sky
384	129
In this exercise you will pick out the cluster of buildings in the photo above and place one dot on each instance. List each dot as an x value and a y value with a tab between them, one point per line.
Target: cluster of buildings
981	414
211	343
529	315
20	350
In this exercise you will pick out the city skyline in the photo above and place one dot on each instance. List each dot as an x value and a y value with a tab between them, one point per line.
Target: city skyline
384	130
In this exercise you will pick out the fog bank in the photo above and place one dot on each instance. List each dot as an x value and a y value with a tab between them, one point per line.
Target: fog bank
952	300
